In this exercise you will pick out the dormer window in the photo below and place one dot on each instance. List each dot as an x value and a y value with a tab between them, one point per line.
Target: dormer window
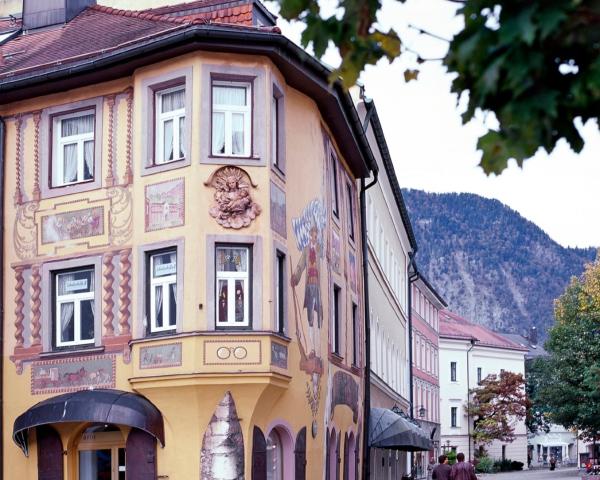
73	141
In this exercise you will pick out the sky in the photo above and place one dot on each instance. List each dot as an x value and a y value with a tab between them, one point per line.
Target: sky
433	151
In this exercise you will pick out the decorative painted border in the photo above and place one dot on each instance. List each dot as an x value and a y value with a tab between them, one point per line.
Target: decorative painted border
224	342
110	384
162	365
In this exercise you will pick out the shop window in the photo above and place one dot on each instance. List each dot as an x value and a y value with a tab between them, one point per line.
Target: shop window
73	148
101	454
74	307
233	296
170	125
162	290
231	118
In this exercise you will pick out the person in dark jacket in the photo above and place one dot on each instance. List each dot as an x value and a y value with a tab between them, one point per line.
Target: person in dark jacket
462	470
442	471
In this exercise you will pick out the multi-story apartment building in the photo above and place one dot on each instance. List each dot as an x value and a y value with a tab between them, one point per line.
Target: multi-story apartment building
390	243
426	304
468	353
182	291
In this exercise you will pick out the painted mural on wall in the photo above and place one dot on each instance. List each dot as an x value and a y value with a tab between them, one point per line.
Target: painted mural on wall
309	230
70	374
279	355
222	454
233	207
278	210
336	249
352	271
159	356
165	204
344	392
59	227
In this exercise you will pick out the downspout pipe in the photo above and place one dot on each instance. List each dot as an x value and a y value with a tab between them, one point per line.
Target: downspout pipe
2	190
413	276
366	463
473	340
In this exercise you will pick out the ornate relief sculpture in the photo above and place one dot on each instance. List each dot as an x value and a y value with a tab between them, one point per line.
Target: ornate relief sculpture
233	207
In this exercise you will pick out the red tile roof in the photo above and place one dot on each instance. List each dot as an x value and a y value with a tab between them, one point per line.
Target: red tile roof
99	29
454	326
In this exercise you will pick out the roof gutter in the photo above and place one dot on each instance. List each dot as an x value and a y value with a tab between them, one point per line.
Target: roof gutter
126	59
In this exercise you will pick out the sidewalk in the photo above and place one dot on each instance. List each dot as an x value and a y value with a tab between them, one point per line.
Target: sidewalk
570	473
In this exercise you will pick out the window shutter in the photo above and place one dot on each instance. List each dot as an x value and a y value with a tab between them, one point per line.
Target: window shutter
49	451
327	462
300	455
140	455
259	455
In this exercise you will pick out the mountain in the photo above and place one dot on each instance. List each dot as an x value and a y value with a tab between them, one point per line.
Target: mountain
491	265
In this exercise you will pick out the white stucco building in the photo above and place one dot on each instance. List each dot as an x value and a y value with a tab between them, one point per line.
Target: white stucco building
468	353
390	241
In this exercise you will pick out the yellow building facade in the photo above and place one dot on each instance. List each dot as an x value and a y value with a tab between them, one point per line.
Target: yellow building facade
185	230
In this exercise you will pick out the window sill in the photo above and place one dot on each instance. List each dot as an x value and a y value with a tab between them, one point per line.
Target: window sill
152	168
71	352
254	160
73	188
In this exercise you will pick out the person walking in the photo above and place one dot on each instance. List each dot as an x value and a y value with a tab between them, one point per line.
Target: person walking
552	462
462	470
442	470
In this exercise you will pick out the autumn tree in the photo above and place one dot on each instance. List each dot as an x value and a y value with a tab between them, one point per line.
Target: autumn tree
534	65
496	405
571	387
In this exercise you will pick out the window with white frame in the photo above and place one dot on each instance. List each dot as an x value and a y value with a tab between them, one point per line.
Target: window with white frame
73	148
454	416
162	291
74	307
231	118
170	125
233	285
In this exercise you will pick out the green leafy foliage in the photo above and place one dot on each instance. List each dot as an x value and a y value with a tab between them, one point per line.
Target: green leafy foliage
497	404
451	457
536	372
485	464
570	390
534	65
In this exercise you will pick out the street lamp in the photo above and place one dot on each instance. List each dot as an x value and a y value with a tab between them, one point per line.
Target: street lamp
422	412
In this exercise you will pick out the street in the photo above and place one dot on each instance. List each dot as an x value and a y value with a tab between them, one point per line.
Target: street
545	474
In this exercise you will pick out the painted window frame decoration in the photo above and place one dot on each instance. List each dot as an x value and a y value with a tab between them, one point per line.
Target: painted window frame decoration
176	116
151	88
258	100
227	312
77	299
164	282
229	111
49	127
79	140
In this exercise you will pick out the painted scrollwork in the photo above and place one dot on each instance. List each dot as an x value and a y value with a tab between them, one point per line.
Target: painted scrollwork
121	215
25	231
233	207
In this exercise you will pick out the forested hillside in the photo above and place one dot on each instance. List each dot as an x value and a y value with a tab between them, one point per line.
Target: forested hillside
491	265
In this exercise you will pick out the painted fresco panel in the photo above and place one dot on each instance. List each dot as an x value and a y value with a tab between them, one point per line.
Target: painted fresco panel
278	210
345	392
352	272
70	374
59	227
165	204
279	355
159	356
336	249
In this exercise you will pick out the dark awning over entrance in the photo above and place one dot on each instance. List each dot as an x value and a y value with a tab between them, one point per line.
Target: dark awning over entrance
389	430
96	406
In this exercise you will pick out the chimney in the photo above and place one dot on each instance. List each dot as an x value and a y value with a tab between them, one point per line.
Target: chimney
44	13
533	336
